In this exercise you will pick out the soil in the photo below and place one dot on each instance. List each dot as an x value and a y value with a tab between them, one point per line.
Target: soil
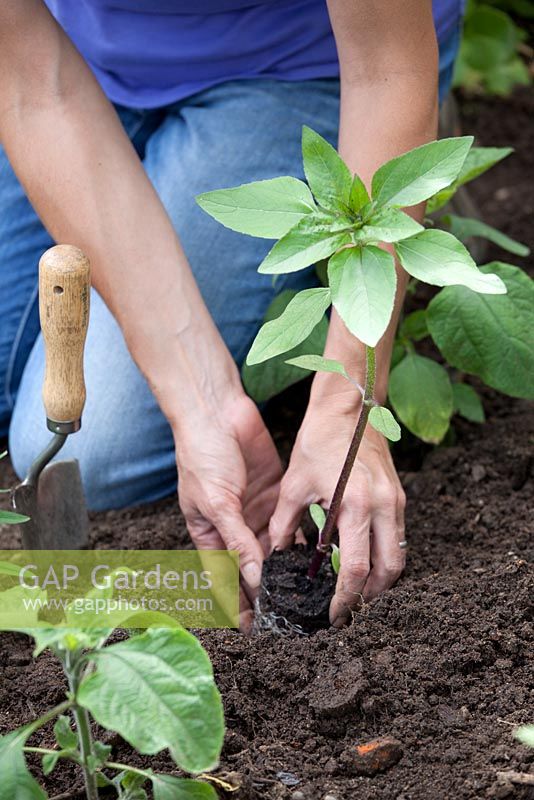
288	596
441	666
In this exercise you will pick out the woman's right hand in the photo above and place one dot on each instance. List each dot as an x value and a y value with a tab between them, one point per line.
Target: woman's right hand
228	482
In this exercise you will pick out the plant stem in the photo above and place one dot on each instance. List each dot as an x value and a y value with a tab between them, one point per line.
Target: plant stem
325	535
83	729
44	751
116	765
54	712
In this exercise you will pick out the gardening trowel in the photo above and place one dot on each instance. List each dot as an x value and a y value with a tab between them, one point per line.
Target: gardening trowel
51	494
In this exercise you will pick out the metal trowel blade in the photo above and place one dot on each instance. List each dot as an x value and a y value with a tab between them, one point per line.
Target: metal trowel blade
56	508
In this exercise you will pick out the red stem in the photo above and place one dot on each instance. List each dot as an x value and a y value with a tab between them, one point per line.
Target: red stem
325	536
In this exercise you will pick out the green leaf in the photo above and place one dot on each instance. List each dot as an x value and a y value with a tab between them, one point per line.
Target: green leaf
265	380
420	173
414	326
167	787
65	639
157	691
478	161
318	515
438	258
135	794
489	335
49	762
7	568
315	237
268	209
363	282
129	785
467	403
298	320
100	755
488	59
502	78
132	780
315	363
359	196
421	394
387	225
525	734
16	781
327	174
335	558
102	781
385	423
65	736
10	518
399	351
467	227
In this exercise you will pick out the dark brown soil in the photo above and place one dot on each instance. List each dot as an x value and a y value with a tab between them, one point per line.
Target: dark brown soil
288	595
443	662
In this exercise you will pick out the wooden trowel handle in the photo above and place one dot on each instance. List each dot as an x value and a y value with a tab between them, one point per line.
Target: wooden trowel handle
64	284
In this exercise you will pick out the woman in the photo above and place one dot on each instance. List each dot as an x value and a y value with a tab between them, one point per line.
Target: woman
113	116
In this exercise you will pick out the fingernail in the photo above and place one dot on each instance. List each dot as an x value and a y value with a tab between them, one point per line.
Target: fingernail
251	572
342	617
246	620
340	621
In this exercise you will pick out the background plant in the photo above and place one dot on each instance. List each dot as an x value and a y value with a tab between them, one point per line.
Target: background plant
155	689
335	218
490	56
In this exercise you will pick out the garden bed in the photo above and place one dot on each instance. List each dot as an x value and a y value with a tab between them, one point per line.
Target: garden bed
443	663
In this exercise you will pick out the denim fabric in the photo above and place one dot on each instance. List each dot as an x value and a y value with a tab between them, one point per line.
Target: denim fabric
230	134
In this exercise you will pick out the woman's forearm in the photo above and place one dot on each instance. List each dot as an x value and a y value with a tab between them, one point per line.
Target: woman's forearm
384	112
82	175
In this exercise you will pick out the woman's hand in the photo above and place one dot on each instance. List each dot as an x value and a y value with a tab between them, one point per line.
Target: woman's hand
371	518
229	478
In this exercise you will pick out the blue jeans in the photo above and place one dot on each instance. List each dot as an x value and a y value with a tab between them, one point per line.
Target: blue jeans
231	134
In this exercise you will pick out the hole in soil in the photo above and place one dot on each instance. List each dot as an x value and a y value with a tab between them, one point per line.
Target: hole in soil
289	602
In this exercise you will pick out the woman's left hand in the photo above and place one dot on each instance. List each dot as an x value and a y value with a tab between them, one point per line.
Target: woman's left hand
371	517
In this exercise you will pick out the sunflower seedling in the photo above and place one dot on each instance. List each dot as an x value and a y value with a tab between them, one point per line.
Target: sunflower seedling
333	216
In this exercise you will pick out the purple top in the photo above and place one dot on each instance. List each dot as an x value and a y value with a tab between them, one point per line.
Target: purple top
149	53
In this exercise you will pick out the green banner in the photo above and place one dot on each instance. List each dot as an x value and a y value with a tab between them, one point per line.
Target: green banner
118	589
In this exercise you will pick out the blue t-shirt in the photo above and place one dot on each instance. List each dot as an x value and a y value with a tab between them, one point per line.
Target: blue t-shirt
149	53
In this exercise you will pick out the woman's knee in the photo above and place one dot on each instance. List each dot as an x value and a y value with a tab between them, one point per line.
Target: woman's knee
125	445
120	464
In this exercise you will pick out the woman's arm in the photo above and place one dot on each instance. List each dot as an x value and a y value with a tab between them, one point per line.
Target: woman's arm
83	177
389	102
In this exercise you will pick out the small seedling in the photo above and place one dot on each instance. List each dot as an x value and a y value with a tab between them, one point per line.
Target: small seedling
318	515
335	558
155	689
334	217
525	734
